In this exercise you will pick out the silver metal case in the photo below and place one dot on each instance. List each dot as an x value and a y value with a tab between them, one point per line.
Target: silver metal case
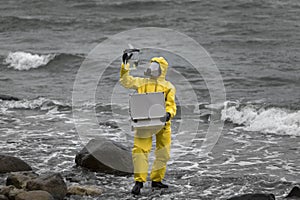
147	110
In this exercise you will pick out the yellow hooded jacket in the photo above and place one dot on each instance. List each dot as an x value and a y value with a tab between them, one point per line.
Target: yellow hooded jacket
146	85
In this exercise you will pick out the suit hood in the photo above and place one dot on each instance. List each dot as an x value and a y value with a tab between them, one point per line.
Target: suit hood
163	66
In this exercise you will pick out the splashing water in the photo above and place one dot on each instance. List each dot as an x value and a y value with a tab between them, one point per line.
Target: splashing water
25	61
266	120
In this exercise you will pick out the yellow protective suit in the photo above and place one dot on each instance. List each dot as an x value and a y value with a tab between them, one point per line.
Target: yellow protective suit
142	145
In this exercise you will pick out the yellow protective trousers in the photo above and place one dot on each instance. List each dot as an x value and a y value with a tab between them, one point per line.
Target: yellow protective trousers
140	152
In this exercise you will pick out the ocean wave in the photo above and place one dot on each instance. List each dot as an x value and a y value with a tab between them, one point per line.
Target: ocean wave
135	4
24	61
12	23
272	120
45	104
8	98
29	22
248	117
40	103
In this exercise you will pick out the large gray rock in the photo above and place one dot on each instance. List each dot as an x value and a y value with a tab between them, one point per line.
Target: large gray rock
20	179
54	184
254	197
294	193
34	195
12	164
105	156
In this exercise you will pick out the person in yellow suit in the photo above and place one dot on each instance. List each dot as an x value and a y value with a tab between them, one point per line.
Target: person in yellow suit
156	82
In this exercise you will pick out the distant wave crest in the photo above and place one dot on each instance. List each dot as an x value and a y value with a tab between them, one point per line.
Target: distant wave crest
266	120
40	103
25	61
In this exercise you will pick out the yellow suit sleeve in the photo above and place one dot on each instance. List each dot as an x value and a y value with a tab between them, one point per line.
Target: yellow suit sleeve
127	80
170	102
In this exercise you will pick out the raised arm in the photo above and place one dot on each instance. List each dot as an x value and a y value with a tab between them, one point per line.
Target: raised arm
127	80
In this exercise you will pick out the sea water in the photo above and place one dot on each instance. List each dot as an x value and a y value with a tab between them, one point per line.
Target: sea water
255	45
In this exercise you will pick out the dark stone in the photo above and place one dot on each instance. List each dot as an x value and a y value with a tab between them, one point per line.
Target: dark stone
34	195
8	98
85	190
111	124
5	190
105	156
12	164
13	193
75	179
294	193
2	197
10	191
20	179
254	197
54	184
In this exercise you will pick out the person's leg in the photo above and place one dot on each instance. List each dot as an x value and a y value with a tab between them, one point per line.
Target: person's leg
140	152
141	149
162	154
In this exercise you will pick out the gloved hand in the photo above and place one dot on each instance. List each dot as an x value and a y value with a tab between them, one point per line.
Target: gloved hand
166	118
126	57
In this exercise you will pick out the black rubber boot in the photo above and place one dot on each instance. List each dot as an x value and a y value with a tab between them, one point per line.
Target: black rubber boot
136	190
158	185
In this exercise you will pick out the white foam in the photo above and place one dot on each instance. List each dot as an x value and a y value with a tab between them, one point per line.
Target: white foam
25	104
39	103
271	120
24	61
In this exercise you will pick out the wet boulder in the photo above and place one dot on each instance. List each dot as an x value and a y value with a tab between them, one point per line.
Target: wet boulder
105	156
20	179
5	190
12	164
254	197
54	184
2	197
84	190
31	195
294	193
11	192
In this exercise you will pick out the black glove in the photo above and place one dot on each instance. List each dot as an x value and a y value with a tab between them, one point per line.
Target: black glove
166	118
126	57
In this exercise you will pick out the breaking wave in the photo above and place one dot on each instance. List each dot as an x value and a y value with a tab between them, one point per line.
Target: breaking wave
38	103
272	120
249	117
45	104
24	61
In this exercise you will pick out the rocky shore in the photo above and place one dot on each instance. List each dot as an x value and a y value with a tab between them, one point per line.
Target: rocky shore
21	183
